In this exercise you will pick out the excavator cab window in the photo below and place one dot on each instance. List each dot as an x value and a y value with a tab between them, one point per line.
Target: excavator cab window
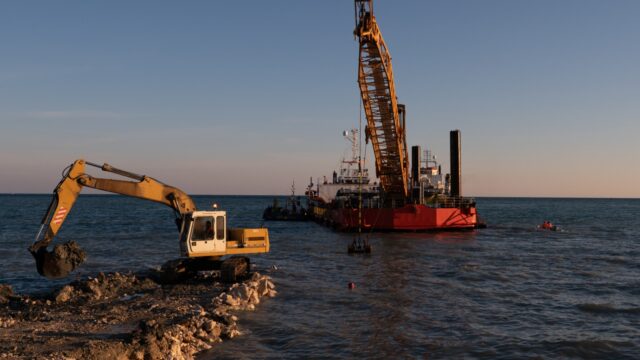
220	225
203	228
184	228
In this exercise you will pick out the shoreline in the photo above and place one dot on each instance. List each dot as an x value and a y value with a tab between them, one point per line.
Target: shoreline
127	316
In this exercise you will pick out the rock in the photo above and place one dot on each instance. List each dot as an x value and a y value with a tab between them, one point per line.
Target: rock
202	334
254	298
65	294
6	322
209	325
264	285
176	351
213	328
233	333
95	289
241	292
230	300
6	291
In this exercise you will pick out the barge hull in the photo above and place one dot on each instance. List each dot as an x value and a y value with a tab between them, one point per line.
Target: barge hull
407	218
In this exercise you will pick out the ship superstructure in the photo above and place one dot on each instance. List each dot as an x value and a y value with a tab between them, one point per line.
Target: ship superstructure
351	177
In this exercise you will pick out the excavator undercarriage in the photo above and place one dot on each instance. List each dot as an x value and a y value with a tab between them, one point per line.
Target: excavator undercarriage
229	270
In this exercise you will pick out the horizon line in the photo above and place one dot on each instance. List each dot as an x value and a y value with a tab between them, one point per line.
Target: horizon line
470	196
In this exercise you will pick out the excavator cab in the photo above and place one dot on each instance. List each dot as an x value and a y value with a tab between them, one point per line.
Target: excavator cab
204	237
204	233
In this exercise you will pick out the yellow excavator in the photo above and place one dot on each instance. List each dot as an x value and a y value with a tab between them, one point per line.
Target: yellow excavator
204	237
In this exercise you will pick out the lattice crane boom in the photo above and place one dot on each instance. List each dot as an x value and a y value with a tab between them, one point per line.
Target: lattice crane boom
385	117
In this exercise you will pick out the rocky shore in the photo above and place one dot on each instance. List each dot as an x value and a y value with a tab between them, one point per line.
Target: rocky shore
126	316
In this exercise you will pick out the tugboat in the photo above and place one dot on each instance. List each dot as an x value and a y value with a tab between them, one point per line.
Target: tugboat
292	210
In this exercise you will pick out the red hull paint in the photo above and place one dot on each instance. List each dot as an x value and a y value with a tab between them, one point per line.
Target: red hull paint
407	218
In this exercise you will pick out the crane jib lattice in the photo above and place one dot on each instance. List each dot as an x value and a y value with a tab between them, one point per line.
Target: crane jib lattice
385	117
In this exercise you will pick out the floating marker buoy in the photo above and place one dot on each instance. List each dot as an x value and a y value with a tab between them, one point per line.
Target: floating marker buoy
359	246
352	285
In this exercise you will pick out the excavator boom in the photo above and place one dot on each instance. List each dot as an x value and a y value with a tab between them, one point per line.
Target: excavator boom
385	117
64	258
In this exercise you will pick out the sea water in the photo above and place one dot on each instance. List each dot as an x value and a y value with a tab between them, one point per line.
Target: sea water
508	291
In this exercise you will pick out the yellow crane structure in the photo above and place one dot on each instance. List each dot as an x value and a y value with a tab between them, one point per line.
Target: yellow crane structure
204	237
385	117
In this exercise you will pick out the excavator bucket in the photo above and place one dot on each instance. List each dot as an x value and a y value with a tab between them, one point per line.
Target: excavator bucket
61	261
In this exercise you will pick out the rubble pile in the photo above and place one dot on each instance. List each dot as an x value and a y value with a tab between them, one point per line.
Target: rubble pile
126	316
245	296
202	329
157	340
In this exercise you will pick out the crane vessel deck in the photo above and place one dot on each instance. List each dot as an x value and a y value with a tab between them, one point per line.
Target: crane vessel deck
350	200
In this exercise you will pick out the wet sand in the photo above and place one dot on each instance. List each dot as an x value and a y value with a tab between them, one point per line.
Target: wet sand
126	316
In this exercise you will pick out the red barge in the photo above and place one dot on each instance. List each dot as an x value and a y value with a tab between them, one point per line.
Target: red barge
350	201
411	217
422	199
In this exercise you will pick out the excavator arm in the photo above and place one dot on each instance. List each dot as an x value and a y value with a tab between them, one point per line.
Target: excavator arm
64	258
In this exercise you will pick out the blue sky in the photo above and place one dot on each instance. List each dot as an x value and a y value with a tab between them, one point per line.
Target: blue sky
244	97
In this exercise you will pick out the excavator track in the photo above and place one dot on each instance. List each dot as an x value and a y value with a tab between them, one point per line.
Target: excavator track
234	268
231	270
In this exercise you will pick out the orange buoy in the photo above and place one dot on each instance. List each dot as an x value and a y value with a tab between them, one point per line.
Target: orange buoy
352	285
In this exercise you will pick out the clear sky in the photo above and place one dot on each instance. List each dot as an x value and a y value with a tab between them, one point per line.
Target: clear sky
242	97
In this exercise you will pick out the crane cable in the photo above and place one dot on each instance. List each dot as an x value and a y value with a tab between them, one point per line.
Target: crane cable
359	245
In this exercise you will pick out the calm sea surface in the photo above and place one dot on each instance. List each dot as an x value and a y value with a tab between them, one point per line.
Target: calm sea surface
508	291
